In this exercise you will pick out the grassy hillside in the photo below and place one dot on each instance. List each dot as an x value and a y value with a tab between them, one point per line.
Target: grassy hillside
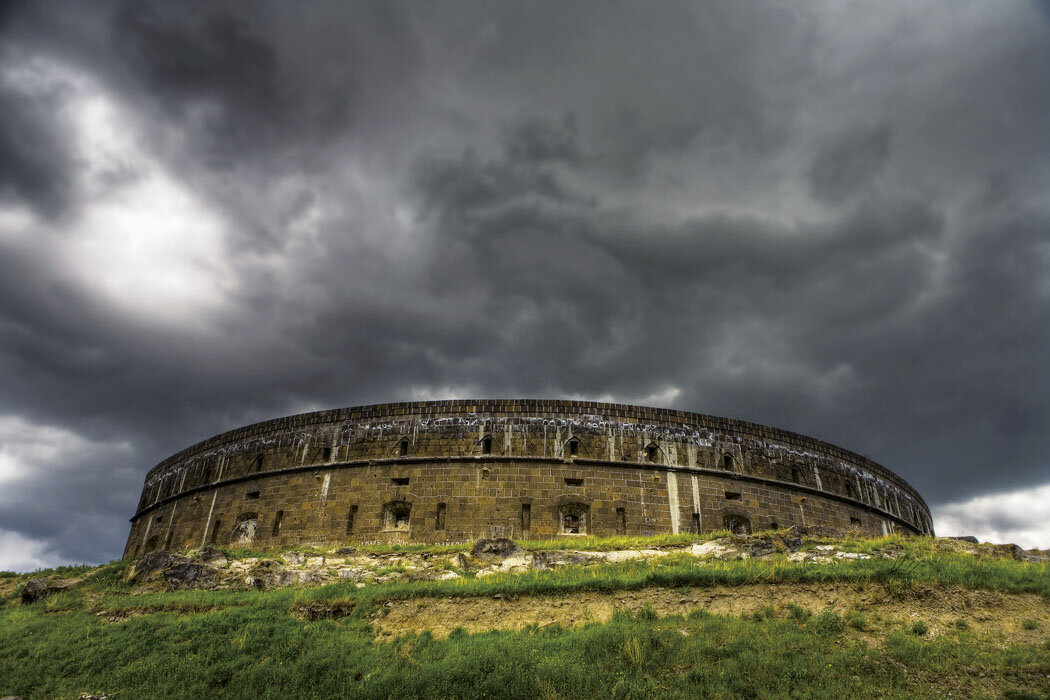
919	618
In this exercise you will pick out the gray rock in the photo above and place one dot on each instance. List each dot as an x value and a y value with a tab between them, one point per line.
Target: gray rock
189	575
553	559
212	556
966	538
495	549
154	562
40	588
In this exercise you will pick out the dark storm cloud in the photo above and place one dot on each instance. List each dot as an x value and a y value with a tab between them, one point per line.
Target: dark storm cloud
849	164
743	209
35	166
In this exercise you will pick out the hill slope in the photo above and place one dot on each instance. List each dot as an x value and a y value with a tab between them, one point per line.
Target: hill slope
773	615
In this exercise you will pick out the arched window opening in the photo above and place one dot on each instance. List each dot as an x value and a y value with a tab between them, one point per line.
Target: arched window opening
774	525
326	454
526	519
574	518
737	524
244	529
402	447
652	452
796	475
574	447
396	516
727	462
621	521
486	445
257	464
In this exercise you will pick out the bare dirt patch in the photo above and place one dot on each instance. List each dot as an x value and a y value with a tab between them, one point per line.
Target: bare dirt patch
988	612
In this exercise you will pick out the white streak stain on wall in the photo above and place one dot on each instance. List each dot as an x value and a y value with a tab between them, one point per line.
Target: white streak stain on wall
672	500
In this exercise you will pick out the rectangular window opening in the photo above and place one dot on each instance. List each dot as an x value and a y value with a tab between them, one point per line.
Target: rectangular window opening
159	519
573	481
326	454
854	521
277	522
252	495
350	517
696	522
732	496
440	521
399	481
574	448
215	530
526	517
621	521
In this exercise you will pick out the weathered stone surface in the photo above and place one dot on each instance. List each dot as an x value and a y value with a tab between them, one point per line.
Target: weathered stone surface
154	562
493	549
40	588
553	559
189	575
212	556
454	471
966	538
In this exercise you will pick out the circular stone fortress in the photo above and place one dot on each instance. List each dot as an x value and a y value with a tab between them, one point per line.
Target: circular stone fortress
454	471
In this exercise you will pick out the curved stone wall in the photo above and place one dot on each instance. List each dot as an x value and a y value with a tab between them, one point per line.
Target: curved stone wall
438	471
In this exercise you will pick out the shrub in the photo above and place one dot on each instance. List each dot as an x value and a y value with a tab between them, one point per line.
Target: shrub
797	612
919	628
1030	624
857	620
828	622
648	613
962	624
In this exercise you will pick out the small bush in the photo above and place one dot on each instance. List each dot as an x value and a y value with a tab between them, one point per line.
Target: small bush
919	628
962	624
1030	624
648	613
828	622
857	620
797	612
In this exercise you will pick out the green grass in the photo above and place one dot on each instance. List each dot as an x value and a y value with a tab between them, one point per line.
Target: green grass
260	651
247	644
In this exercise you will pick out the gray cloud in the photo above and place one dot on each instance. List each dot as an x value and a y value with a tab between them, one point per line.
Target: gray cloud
849	164
35	166
751	210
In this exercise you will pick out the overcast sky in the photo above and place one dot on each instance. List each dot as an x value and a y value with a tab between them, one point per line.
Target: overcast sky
830	217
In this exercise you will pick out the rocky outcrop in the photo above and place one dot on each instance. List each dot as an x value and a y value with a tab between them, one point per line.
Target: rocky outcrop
495	549
40	588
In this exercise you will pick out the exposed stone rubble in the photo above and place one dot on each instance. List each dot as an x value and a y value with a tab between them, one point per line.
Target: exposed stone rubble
40	588
210	568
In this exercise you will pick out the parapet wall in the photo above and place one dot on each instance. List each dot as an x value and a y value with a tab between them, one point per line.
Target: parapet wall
456	470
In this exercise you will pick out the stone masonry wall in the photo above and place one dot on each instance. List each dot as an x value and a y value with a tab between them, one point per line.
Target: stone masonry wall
458	470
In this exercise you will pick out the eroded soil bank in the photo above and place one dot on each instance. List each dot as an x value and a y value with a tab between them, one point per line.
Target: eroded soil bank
986	612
